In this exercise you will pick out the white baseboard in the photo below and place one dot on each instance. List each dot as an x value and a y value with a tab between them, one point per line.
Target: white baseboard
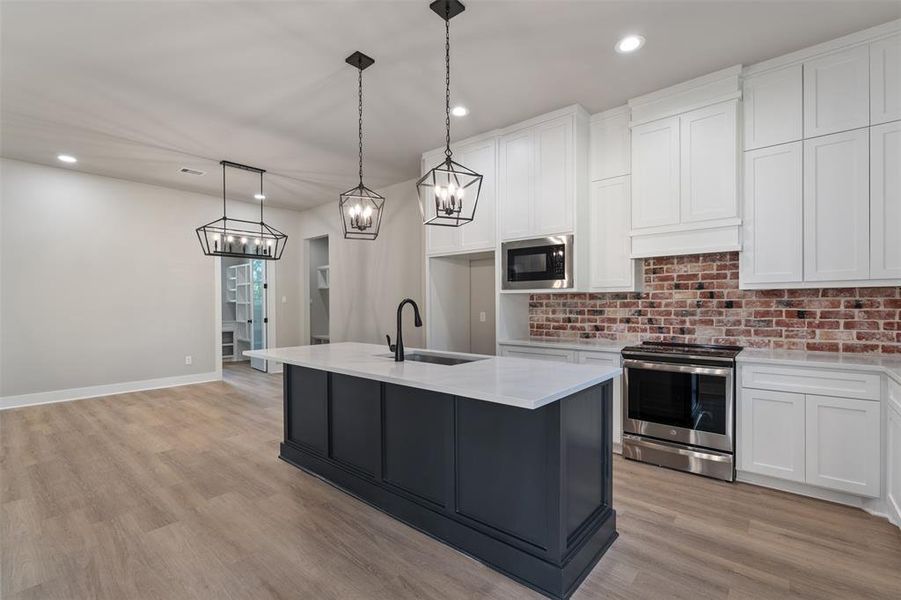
875	506
94	391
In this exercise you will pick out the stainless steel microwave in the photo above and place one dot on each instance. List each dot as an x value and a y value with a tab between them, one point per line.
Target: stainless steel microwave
542	263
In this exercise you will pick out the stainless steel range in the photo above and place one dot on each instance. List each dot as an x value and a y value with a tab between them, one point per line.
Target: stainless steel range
679	407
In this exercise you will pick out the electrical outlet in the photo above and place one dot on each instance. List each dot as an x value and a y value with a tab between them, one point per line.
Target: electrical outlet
483	317
284	299
188	360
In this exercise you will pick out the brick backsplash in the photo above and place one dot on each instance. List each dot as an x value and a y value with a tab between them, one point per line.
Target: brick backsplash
696	299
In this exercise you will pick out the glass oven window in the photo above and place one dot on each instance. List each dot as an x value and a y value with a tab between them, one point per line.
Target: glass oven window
685	400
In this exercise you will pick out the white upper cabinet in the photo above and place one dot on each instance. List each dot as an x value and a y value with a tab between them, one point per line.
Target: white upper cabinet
773	108
837	207
610	146
481	157
439	240
843	444
655	173
542	175
480	234
515	162
837	92
885	80
553	177
772	250
709	184
610	268
885	201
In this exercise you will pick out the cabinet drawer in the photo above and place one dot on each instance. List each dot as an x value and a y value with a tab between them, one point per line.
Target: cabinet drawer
599	358
538	353
825	382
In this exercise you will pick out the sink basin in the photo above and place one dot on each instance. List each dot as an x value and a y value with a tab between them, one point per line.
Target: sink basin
435	359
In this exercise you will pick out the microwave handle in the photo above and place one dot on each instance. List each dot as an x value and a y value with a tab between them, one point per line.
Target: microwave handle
676	368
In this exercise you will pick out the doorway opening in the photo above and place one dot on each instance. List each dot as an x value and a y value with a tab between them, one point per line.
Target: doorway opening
245	309
318	290
462	303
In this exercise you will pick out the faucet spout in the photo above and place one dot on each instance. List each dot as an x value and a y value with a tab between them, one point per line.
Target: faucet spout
399	346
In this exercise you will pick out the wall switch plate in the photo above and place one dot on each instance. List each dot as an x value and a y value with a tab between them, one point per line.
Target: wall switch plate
483	317
188	360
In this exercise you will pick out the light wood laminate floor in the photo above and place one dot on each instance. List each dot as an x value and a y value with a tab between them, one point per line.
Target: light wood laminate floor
177	493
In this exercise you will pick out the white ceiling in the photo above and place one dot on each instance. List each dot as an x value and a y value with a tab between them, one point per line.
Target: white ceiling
137	90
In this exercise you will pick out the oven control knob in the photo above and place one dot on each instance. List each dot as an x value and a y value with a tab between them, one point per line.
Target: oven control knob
672	432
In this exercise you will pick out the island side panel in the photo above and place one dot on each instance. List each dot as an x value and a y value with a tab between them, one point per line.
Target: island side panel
508	469
355	415
306	408
587	434
418	434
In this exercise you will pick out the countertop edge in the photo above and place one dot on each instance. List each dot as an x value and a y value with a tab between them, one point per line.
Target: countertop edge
607	375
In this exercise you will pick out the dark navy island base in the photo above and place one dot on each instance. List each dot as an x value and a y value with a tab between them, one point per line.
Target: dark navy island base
526	492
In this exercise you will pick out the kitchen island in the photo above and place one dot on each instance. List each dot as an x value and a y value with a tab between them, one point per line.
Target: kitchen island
505	459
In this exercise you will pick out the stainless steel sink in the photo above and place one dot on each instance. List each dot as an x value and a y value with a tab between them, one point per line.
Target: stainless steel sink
435	359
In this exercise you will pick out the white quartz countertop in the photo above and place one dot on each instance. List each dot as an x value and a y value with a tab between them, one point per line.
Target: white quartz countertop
596	345
524	383
884	363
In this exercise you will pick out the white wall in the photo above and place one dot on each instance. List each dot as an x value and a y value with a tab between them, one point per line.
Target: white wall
370	278
103	281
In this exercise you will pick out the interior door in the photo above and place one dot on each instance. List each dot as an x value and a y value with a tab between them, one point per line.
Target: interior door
259	319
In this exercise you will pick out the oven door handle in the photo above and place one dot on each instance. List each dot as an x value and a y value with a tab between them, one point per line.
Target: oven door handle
676	368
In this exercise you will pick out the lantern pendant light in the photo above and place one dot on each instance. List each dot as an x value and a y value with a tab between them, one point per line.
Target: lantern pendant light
359	207
239	237
448	193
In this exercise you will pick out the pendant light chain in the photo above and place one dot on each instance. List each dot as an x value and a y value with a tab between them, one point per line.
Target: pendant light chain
447	149
360	87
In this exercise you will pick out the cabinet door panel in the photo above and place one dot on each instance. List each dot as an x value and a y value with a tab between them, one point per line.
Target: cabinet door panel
772	224
843	444
480	157
885	201
885	80
605	359
553	199
837	207
893	455
610	146
771	434
772	105
608	234
355	412
836	92
515	184
708	163
655	173
439	239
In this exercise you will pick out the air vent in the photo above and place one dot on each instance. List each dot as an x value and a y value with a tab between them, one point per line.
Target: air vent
188	171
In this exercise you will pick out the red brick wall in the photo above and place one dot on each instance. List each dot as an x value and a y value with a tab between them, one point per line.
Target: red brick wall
696	299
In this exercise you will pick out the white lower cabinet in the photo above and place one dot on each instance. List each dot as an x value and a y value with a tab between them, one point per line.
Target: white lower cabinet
843	444
771	434
610	359
538	353
831	442
893	451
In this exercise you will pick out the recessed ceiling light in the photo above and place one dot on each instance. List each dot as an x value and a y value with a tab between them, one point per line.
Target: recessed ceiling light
630	43
259	196
66	158
459	111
